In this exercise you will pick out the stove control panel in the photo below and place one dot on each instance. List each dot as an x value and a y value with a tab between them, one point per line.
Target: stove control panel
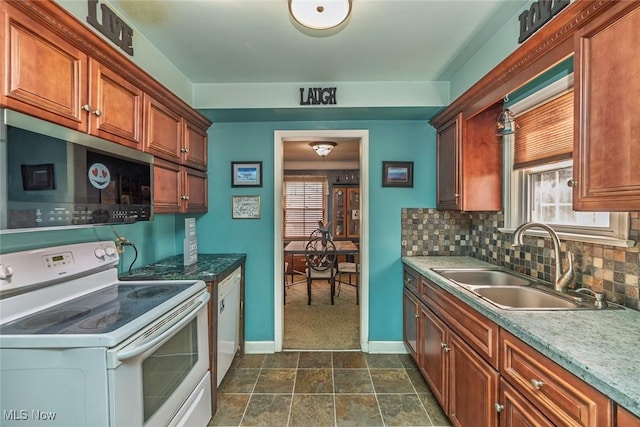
37	267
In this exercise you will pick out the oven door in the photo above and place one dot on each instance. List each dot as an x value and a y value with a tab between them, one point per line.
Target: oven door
159	371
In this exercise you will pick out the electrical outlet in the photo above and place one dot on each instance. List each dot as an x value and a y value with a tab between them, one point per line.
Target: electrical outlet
120	242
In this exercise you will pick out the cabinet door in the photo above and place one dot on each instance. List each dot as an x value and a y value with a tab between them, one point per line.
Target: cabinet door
433	354
167	187
43	75
473	389
448	146
607	111
481	179
353	213
411	310
625	418
163	131
194	146
116	107
339	212
517	411
195	192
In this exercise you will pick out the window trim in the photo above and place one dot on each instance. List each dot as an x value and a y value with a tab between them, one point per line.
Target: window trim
514	181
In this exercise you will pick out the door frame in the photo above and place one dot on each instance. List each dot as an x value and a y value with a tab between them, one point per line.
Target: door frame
281	136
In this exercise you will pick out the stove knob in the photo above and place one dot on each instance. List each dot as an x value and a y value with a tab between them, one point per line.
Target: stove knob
99	253
110	251
5	274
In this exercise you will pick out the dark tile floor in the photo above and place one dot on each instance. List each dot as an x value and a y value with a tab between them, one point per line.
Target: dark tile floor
326	389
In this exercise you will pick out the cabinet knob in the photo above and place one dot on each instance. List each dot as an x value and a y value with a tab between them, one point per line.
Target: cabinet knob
86	107
537	384
572	183
445	347
97	113
499	407
417	315
183	150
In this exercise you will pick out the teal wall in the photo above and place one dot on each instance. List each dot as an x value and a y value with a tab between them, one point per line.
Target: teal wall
153	239
217	232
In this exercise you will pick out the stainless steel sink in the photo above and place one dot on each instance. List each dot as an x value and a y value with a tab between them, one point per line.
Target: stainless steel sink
484	277
510	297
511	291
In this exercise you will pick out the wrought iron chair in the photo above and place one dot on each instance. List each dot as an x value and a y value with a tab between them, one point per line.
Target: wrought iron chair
320	255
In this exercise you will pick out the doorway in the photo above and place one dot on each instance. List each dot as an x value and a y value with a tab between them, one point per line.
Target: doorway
280	139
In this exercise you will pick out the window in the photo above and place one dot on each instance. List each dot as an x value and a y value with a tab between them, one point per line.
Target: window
539	155
305	203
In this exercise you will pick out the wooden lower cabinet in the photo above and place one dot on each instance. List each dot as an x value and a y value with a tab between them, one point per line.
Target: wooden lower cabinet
516	411
625	418
463	382
561	396
484	376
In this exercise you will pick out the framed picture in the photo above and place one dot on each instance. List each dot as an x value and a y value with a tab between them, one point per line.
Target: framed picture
245	207
246	174
37	177
397	174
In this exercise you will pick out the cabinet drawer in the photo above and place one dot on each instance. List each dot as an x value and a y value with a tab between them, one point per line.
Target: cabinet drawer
478	331
561	396
411	279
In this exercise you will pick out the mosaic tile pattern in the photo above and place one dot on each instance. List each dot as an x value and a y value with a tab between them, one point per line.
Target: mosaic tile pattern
608	269
326	389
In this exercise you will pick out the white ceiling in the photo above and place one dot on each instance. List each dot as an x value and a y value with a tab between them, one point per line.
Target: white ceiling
254	41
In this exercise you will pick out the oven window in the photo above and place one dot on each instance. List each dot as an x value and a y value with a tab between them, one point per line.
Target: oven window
165	369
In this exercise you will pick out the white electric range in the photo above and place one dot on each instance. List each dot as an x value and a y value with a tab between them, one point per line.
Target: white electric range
80	348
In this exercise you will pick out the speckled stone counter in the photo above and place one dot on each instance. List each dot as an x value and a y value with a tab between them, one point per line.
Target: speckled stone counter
600	347
209	268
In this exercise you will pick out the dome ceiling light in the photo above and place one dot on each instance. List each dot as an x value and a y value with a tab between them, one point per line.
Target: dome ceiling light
320	15
323	148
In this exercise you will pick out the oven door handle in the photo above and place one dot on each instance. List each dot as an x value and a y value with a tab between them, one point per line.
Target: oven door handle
139	349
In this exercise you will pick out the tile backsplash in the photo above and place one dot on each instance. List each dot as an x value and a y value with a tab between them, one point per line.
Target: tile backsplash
603	268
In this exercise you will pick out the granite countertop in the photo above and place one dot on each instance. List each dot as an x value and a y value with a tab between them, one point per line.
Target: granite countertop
209	268
600	347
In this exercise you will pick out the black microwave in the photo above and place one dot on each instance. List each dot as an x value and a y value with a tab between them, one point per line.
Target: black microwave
57	177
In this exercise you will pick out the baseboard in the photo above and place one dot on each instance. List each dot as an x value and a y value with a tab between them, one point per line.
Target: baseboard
379	347
259	347
387	347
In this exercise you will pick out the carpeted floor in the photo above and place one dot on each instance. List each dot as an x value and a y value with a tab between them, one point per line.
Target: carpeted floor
321	326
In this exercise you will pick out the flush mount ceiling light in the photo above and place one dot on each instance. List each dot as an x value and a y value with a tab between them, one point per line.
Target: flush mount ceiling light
506	124
320	15
323	148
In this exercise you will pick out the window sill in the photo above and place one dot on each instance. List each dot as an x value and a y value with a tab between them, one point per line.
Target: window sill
584	238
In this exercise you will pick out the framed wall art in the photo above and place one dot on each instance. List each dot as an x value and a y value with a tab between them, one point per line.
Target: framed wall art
246	174
245	207
397	174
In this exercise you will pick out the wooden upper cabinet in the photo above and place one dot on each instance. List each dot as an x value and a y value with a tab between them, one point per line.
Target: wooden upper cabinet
607	111
170	136
44	75
195	146
114	107
163	130
470	163
448	148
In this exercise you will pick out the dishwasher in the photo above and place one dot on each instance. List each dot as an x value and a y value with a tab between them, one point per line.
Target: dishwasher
228	321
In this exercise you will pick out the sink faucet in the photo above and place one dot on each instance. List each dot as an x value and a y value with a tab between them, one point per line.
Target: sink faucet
563	278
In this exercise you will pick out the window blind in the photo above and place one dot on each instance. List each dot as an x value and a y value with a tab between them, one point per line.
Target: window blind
545	133
305	199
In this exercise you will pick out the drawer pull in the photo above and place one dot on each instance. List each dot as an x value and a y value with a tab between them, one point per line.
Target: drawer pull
537	384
